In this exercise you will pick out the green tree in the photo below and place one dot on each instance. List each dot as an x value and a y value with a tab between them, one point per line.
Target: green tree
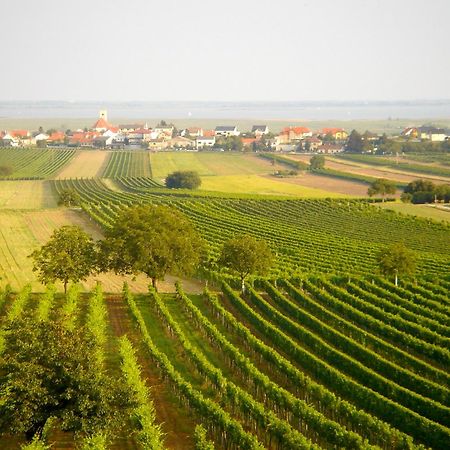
355	143
154	240
187	179
49	372
246	255
69	198
396	260
317	162
69	255
382	187
420	186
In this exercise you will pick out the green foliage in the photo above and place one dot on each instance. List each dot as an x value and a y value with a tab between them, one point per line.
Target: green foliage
396	260
154	240
128	164
48	371
355	143
69	255
187	179
229	143
246	255
69	198
201	440
382	187
317	162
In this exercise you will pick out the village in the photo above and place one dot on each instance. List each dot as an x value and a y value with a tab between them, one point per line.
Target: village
166	137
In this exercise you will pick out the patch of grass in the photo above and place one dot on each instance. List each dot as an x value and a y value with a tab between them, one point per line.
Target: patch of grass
255	184
427	211
27	194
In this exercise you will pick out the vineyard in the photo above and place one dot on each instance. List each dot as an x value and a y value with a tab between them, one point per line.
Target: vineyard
314	362
128	164
327	236
34	164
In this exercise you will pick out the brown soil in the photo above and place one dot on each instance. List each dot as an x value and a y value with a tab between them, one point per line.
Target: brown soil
174	419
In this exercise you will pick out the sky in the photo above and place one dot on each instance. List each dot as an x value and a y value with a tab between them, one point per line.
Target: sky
229	50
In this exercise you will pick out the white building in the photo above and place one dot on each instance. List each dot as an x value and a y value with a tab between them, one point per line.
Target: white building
227	131
203	141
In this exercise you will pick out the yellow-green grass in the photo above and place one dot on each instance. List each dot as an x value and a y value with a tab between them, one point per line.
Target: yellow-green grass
426	211
255	184
22	232
208	163
85	164
26	194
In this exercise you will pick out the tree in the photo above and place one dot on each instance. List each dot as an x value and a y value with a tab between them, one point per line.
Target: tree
154	240
317	162
355	142
420	186
48	371
187	179
396	260
382	187
69	255
69	198
246	255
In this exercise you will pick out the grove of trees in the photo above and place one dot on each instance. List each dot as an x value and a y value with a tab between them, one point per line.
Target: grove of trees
382	187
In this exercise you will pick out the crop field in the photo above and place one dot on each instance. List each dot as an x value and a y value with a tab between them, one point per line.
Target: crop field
128	164
313	362
208	163
329	235
34	163
86	164
426	211
26	194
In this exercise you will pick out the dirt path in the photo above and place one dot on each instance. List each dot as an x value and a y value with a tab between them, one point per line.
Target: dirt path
174	419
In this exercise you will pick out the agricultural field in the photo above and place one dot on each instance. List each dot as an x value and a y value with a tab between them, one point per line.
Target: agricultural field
329	235
128	164
312	362
34	164
86	164
427	211
26	194
208	163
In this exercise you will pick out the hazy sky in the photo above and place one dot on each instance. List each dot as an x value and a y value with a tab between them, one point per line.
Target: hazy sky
224	50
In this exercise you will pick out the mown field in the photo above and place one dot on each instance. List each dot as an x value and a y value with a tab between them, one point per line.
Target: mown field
323	353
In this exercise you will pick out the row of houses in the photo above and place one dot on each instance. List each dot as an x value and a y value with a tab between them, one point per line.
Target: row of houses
102	134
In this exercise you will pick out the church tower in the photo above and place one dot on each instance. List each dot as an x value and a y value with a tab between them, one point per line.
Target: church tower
103	114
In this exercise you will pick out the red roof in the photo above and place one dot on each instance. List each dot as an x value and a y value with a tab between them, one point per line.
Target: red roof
209	133
101	123
296	130
332	130
247	141
19	133
57	136
114	129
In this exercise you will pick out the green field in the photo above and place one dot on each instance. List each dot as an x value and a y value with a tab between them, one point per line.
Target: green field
426	211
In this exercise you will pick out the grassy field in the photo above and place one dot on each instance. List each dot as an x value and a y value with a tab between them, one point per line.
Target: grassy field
26	195
427	211
86	164
255	184
208	163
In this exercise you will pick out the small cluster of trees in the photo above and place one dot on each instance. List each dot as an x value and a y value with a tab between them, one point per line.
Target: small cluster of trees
425	191
183	179
383	187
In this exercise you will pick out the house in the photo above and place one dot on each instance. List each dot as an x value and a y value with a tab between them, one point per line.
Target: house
336	133
286	148
180	142
83	139
410	132
101	125
41	137
205	141
260	130
432	133
139	135
103	141
248	142
295	133
126	128
166	130
209	133
312	144
227	131
157	144
57	137
192	131
330	148
6	140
